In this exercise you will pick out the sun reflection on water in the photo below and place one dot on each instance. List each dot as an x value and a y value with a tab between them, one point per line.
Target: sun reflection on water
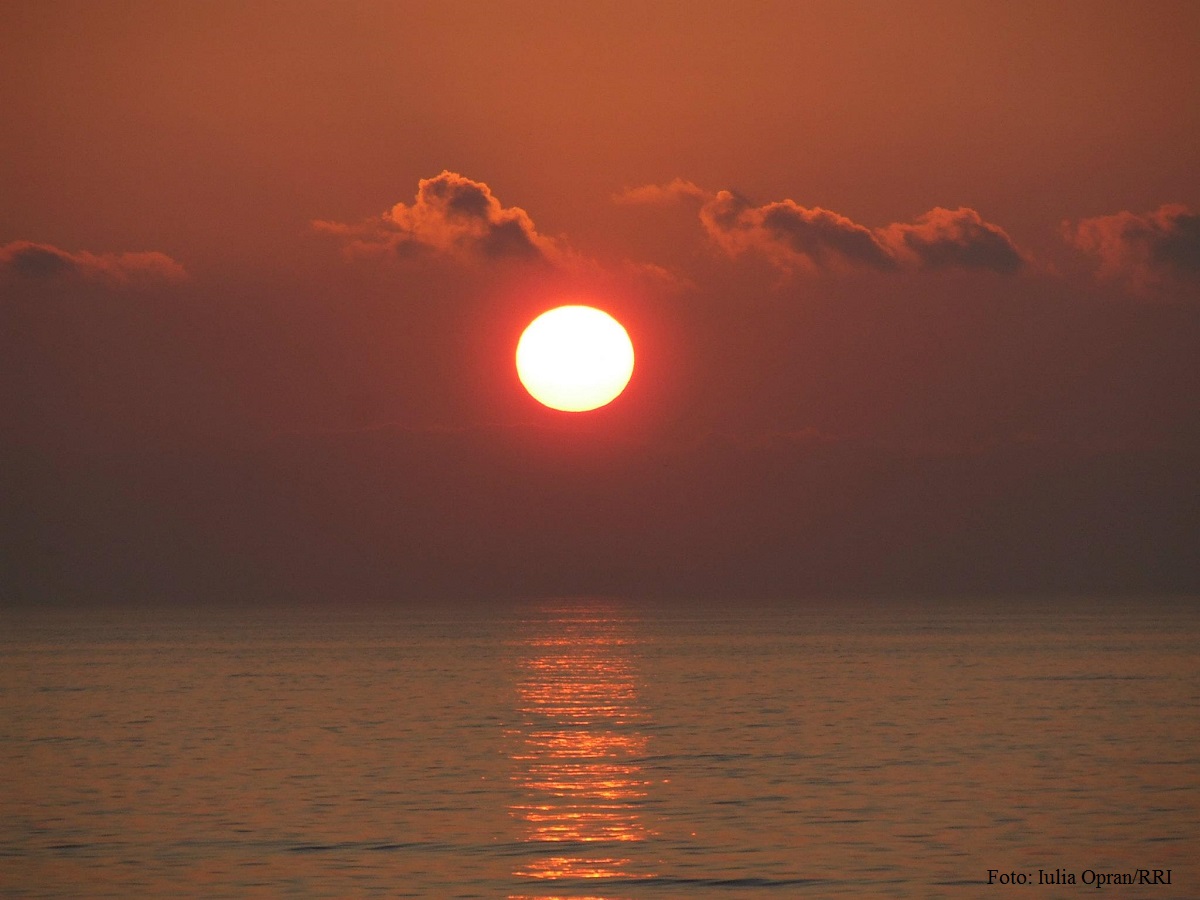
579	749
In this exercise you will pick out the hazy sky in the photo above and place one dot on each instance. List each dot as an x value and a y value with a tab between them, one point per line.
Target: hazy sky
914	291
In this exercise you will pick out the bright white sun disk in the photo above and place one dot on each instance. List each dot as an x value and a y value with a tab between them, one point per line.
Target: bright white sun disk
575	358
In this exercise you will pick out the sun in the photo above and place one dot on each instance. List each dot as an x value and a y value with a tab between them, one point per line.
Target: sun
574	358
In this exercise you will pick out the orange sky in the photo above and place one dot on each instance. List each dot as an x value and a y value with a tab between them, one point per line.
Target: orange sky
139	125
914	289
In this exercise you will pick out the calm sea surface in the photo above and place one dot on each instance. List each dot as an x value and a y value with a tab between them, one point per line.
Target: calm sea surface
600	749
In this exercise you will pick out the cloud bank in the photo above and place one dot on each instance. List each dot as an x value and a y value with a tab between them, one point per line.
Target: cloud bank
42	262
793	237
451	216
1144	251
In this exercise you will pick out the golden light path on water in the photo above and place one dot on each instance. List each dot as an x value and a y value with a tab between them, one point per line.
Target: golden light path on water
577	754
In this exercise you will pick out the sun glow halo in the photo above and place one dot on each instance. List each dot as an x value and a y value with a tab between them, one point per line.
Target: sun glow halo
574	358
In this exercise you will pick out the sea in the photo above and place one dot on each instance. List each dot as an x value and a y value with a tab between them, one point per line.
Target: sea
603	748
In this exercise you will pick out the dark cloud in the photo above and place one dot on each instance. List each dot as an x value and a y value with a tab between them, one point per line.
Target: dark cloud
1144	251
451	215
791	236
813	239
509	239
954	239
36	262
823	237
